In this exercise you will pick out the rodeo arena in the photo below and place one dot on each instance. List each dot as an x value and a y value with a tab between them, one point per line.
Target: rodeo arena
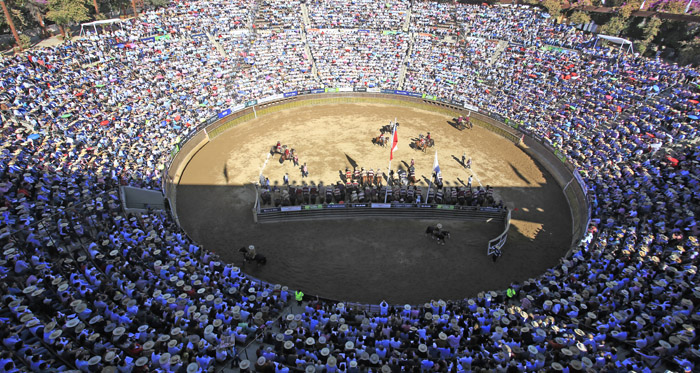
347	186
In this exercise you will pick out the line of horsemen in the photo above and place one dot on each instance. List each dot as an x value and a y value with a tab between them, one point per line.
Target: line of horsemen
355	192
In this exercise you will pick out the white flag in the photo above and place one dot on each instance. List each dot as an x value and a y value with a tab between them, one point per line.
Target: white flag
436	166
687	8
641	7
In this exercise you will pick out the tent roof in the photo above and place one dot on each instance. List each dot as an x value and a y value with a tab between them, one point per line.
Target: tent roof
102	22
614	39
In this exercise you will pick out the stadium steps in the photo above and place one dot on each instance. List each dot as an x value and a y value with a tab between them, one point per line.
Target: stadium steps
407	23
404	63
499	49
305	16
216	44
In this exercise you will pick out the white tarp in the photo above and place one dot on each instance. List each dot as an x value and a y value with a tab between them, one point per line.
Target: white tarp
616	40
102	22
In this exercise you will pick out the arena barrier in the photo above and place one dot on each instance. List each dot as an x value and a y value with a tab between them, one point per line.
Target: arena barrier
553	161
379	210
498	242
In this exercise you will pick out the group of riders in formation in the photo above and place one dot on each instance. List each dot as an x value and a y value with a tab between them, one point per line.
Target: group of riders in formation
365	186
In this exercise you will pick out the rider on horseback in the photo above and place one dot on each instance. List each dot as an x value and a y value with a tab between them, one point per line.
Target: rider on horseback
250	253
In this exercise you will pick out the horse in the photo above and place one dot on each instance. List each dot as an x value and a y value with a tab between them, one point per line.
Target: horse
259	258
380	140
421	145
437	234
266	197
385	129
429	143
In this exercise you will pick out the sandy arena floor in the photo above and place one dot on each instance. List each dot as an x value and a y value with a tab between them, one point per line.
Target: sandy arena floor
375	259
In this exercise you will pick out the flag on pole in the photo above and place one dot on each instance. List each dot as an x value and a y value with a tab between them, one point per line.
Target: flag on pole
603	1
688	6
436	166
641	7
394	143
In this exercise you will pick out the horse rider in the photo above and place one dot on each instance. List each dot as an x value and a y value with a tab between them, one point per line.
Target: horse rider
279	147
380	177
427	138
250	253
370	176
348	174
413	162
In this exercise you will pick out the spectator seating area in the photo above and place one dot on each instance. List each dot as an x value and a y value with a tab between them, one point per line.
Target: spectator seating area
87	287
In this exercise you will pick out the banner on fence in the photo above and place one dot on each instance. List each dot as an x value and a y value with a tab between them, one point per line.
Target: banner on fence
345	89
251	103
471	107
290	208
225	113
290	94
318	90
381	205
331	90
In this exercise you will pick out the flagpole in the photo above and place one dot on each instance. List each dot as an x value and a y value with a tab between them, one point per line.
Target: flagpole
388	172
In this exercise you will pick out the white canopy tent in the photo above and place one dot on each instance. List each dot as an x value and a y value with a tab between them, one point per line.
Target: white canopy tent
616	40
103	22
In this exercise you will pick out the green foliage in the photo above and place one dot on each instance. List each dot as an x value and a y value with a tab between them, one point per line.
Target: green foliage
690	52
156	3
614	26
553	7
65	12
651	28
628	8
25	41
580	18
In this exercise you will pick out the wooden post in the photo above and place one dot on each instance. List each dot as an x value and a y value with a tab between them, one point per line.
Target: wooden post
133	6
12	24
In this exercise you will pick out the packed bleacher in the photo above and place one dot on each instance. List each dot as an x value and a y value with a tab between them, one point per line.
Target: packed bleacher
86	286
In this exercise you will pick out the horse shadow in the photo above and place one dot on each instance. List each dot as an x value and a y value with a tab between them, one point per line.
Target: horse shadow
459	161
352	161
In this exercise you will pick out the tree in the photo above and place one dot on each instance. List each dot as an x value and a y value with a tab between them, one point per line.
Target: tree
580	18
614	26
156	3
9	21
630	7
690	52
649	31
37	9
65	12
553	7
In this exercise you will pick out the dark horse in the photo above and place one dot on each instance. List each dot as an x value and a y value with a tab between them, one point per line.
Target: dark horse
259	258
437	234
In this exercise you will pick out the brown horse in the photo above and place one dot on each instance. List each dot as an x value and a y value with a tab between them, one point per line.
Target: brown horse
421	145
380	140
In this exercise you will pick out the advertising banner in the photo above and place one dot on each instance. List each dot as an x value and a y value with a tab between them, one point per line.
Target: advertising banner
290	94
290	208
381	205
225	113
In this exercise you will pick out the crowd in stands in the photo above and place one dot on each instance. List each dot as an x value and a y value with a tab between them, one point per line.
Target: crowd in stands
86	286
279	14
348	58
358	14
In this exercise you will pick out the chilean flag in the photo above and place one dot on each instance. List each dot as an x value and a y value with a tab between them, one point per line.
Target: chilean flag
395	143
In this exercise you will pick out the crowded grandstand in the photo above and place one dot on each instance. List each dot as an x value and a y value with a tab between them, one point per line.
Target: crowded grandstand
86	286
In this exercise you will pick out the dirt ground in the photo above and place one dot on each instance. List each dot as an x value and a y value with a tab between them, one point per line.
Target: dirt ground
373	259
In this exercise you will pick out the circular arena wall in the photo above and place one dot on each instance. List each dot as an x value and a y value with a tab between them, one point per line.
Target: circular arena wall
548	158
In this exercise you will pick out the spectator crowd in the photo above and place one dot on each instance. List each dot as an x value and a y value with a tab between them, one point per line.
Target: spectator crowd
87	286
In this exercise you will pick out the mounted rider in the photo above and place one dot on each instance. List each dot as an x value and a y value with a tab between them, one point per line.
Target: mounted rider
251	253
